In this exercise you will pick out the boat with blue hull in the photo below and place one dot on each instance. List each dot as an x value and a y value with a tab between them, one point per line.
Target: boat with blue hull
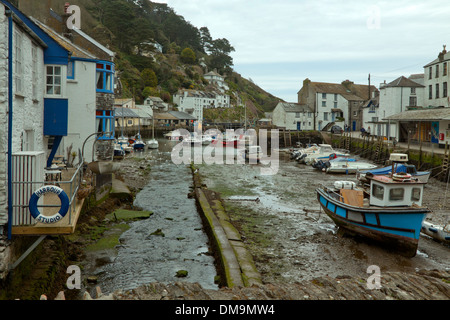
390	212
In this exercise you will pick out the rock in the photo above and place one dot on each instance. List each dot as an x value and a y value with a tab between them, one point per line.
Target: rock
158	232
182	273
60	296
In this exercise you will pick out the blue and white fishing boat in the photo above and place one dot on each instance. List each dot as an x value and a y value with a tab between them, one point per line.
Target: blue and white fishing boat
391	212
400	165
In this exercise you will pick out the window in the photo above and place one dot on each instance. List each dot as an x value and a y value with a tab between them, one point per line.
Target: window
415	194
437	71
297	114
105	124
413	90
335	97
437	90
53	80
18	62
412	101
430	92
309	114
444	89
335	104
325	116
324	103
34	71
105	77
430	75
396	194
355	113
378	191
444	72
71	70
324	95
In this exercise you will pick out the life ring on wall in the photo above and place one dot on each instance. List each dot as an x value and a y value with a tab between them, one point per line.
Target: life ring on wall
401	176
32	204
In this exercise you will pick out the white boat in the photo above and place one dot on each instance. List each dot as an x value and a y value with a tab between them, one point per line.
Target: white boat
300	153
123	142
346	165
174	135
323	151
436	232
153	143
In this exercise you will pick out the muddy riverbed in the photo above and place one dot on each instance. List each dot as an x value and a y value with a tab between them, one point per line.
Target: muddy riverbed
291	239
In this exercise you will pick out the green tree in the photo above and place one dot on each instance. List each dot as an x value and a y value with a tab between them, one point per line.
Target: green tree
149	78
220	58
188	56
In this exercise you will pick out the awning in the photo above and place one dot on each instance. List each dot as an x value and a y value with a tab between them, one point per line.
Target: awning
426	114
336	110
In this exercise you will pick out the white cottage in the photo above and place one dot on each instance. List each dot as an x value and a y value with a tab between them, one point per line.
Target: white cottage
293	116
395	97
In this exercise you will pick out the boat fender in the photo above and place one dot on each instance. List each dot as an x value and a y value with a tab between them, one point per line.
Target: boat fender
32	205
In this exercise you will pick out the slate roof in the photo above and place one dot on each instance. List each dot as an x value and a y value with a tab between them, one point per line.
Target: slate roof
426	114
350	92
75	50
125	112
182	115
403	82
294	107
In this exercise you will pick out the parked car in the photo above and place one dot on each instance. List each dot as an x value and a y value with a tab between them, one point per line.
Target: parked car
336	129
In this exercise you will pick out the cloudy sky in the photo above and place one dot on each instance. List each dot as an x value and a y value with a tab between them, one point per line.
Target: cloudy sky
280	43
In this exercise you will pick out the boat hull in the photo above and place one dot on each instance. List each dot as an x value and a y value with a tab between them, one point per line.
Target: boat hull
398	228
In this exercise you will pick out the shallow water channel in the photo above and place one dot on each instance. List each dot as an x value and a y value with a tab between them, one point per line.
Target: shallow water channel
181	244
278	216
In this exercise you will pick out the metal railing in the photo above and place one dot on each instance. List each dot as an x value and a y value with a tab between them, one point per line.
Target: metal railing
23	190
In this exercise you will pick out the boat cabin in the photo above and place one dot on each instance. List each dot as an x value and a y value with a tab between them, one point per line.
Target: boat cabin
387	192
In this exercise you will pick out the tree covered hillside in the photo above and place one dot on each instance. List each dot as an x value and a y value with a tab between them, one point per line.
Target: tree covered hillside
132	28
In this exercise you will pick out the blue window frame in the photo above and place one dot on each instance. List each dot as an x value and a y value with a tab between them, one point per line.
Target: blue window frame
105	124
105	77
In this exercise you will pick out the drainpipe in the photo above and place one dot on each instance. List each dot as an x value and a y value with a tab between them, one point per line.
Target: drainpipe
8	13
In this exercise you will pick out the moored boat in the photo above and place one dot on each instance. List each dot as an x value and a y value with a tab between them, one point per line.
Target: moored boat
391	212
399	165
325	150
347	165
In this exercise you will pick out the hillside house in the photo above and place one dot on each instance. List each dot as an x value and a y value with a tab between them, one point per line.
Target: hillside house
216	79
293	116
333	103
194	101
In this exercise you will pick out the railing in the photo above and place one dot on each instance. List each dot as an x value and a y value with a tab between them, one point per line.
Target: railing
23	190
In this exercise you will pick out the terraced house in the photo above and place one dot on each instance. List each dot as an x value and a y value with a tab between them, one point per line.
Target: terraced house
56	110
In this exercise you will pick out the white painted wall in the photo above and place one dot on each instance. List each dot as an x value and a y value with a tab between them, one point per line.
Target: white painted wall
81	93
331	101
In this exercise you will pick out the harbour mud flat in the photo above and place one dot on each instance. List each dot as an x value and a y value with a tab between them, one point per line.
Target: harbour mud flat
298	250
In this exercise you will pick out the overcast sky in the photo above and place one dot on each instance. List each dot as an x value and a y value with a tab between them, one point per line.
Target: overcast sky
280	43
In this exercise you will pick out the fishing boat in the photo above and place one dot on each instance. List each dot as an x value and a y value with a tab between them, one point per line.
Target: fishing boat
400	165
390	212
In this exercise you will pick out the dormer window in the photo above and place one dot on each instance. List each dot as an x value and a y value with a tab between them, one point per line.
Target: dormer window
53	81
105	77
